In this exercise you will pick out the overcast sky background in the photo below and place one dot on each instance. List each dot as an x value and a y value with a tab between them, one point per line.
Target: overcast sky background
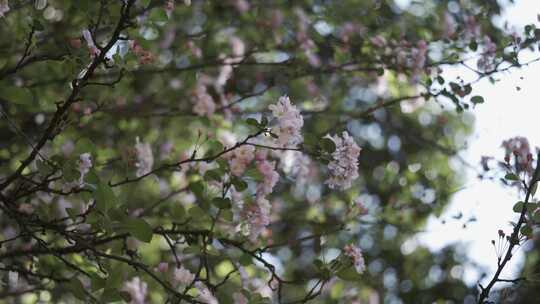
506	113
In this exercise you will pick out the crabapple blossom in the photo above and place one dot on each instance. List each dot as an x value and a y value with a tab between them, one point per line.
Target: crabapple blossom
486	61
290	122
270	177
241	157
85	163
239	298
162	267
137	290
93	49
205	295
256	217
145	158
204	104
355	254
449	25
520	148
343	167
4	7
183	276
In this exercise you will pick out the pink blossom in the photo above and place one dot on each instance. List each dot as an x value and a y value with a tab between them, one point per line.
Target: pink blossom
378	41
270	177
487	60
449	25
162	267
257	217
241	5
137	290
519	147
290	122
472	30
359	205
239	298
344	164
355	254
204	104
241	157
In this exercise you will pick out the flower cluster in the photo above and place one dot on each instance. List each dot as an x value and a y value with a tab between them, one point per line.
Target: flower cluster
290	121
520	148
85	163
4	7
343	167
241	157
270	177
257	217
487	60
355	254
137	289
183	276
145	57
205	295
145	158
204	104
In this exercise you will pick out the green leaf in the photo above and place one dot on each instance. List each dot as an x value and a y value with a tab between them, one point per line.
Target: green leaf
197	213
245	260
252	122
215	174
159	15
112	295
197	188
511	176
526	230
518	207
139	229
239	184
222	203
477	99
104	197
473	45
440	80
76	288
328	145
349	274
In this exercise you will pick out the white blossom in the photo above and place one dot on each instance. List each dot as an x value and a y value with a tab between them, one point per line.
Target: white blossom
290	122
94	51
85	163
355	254
205	295
137	290
344	164
204	104
145	158
4	7
183	276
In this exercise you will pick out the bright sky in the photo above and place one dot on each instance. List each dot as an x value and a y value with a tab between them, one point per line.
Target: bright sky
506	113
